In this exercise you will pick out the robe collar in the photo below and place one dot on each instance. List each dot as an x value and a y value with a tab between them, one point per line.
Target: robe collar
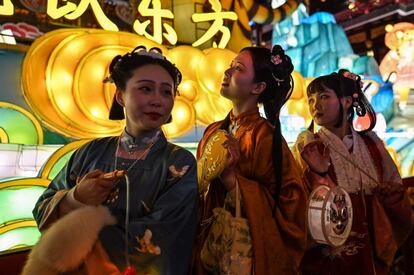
130	143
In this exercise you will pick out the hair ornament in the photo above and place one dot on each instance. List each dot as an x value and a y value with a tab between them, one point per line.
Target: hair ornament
276	59
154	52
354	77
277	80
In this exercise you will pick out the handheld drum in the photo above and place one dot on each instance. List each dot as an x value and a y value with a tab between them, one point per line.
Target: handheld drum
213	160
330	215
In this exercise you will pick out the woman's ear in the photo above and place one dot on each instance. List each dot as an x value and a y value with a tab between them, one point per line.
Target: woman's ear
347	102
119	97
259	88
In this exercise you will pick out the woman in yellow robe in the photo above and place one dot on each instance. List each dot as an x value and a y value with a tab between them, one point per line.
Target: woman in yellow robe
272	193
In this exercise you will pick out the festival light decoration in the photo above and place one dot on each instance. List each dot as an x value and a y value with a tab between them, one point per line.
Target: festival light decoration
17	226
72	61
399	60
7	8
17	125
217	17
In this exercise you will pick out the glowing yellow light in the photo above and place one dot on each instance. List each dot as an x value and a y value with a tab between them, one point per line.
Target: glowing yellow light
55	12
4	138
97	112
181	113
389	28
61	78
71	11
158	14
217	26
403	92
183	118
393	54
210	85
185	85
7	8
399	34
64	102
351	6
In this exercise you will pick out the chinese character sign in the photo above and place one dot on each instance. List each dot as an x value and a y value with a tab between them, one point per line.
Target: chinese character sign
217	26
7	8
154	28
71	11
157	14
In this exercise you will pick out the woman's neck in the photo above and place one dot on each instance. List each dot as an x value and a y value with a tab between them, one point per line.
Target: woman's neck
341	131
242	107
139	135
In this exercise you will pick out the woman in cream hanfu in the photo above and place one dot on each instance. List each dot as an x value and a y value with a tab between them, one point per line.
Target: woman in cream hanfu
337	155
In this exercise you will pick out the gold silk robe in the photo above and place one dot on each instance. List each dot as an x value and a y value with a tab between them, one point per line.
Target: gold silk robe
279	241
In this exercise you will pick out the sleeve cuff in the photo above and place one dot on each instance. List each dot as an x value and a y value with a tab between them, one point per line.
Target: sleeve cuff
71	201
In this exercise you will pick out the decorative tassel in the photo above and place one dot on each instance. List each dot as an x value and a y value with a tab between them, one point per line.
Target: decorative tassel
130	270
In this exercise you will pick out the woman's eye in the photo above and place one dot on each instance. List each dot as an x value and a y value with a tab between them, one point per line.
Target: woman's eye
324	96
145	89
167	92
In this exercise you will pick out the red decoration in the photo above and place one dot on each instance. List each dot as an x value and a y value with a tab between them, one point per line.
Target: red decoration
130	270
362	123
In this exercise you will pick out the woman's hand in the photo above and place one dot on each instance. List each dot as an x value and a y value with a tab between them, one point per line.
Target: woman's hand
93	189
228	176
318	162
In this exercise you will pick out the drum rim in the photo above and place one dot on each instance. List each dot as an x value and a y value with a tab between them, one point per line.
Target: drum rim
326	239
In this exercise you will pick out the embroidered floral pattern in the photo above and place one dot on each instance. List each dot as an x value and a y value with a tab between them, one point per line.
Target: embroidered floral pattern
146	245
348	249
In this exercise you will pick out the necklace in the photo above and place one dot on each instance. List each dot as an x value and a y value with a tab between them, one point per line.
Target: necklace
114	195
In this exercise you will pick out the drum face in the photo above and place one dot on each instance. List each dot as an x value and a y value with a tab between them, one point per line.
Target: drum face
213	159
330	215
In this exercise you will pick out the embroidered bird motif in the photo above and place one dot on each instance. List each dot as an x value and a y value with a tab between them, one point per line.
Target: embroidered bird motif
178	172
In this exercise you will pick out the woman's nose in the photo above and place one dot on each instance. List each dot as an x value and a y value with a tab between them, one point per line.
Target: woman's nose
228	72
317	104
156	99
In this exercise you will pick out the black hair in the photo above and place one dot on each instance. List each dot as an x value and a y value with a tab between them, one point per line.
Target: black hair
121	70
274	68
344	83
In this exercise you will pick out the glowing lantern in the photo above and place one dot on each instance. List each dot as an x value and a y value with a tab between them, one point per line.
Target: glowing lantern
18	125
64	69
399	61
361	123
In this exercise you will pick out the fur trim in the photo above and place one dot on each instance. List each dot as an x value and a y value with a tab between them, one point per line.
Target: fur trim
66	244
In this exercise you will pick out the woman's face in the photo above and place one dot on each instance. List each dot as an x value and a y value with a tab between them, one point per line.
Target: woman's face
324	107
148	98
238	81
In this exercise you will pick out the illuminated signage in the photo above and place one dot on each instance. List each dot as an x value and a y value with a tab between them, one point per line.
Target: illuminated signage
150	9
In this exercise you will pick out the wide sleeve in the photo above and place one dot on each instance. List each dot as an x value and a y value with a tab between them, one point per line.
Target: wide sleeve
279	237
169	227
46	210
298	148
395	198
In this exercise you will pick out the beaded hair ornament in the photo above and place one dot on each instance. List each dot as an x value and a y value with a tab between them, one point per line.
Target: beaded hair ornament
276	60
355	95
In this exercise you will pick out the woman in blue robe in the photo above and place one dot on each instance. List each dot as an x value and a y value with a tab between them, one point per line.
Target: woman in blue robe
162	177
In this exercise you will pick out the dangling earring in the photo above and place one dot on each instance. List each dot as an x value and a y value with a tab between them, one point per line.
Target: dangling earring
355	100
356	104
